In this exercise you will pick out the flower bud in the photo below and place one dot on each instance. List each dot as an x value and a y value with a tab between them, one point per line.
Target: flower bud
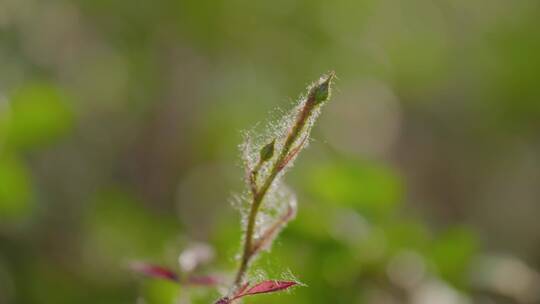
321	91
267	151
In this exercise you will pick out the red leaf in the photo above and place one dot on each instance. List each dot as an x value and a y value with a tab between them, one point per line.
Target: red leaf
154	271
267	287
241	290
203	280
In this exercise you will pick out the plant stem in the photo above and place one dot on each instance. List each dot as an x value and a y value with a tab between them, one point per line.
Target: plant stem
284	157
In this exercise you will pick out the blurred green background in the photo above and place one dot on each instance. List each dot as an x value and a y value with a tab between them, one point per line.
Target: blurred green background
120	120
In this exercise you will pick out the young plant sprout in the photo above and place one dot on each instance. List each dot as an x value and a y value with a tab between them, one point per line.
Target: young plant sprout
270	204
263	175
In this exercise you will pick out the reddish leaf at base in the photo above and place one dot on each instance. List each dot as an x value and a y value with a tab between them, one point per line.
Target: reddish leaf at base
268	286
202	280
154	271
262	287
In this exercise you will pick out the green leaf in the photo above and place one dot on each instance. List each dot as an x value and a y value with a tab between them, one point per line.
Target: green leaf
15	188
39	113
452	253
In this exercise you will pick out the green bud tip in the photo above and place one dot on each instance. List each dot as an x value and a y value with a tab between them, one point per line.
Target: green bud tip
321	91
267	151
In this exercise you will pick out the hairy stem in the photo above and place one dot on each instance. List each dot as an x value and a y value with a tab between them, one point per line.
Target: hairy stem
316	95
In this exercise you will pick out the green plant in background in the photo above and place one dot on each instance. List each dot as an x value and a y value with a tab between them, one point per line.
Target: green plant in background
36	116
118	127
270	204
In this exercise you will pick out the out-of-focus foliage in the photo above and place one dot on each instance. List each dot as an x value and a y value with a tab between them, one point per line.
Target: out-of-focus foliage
120	120
15	191
367	187
37	114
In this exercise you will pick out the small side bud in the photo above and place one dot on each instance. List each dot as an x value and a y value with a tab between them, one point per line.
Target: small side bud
321	91
267	151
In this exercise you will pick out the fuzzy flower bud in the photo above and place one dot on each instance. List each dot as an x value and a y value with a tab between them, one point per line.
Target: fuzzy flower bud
321	91
267	151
